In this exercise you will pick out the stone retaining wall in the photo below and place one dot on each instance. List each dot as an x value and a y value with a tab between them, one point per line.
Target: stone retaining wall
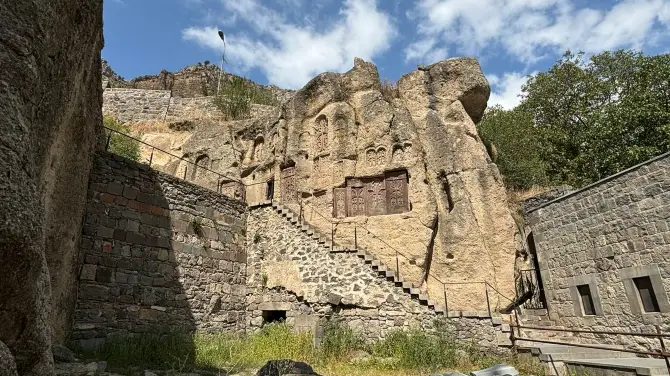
147	106
603	237
289	271
158	253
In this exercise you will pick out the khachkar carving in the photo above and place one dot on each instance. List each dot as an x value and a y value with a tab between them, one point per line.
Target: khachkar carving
396	190
288	191
340	202
402	153
376	157
357	198
320	167
321	134
376	199
372	196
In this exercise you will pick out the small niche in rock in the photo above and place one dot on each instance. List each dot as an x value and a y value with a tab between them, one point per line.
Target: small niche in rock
270	317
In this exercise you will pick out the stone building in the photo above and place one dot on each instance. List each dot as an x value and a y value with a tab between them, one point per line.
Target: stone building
603	254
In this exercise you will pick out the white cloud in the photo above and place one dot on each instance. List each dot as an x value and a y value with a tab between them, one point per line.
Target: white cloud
505	90
529	29
290	54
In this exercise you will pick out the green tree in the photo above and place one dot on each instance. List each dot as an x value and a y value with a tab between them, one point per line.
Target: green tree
119	143
517	146
588	118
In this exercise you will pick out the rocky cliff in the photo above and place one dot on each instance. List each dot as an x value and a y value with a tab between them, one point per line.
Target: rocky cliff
50	116
403	175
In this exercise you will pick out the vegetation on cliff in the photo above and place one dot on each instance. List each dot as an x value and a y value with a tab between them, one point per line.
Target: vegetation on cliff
237	94
119	143
583	120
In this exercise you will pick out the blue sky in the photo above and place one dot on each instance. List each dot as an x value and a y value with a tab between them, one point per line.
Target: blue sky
287	42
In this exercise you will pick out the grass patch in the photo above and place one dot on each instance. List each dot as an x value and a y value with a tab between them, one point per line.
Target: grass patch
410	352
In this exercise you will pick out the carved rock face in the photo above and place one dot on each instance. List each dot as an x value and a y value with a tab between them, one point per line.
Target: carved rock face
411	170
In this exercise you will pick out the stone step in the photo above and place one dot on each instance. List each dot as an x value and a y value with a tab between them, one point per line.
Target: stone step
503	339
407	285
414	291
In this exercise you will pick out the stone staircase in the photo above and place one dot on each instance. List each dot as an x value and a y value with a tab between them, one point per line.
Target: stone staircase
502	329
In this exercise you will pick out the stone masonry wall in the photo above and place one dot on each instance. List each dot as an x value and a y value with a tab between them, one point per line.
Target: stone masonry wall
158	253
603	236
290	271
144	105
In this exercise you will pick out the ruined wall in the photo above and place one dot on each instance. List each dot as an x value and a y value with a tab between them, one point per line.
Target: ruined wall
50	115
603	236
158	253
292	272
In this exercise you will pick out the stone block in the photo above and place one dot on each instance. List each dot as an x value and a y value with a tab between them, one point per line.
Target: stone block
115	188
88	272
119	234
130	193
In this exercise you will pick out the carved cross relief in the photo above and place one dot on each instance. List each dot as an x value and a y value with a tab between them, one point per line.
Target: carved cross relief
376	157
373	196
402	153
321	134
288	191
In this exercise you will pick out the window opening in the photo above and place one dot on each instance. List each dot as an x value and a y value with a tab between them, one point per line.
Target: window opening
270	317
646	292
587	300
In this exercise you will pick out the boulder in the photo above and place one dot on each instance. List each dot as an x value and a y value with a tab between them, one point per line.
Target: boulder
50	115
285	367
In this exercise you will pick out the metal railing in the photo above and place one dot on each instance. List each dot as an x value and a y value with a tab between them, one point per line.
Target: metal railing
222	180
658	335
353	238
527	281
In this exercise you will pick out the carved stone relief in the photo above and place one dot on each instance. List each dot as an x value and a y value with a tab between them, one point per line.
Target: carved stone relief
320	167
288	190
338	171
373	196
396	189
321	134
376	157
376	200
402	153
340	202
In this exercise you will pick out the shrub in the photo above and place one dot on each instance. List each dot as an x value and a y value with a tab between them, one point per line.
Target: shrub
119	142
237	94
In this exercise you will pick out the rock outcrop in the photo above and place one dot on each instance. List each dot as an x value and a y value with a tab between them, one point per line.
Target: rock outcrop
404	176
50	116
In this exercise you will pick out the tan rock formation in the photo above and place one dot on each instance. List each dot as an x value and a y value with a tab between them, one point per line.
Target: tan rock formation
406	178
50	116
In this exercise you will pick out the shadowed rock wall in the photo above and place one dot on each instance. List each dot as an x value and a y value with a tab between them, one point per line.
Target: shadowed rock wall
50	115
158	253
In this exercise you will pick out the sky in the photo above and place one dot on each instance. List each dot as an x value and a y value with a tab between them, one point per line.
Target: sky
288	42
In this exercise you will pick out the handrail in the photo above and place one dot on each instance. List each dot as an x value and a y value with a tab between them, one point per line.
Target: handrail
554	329
639	352
166	152
658	335
303	205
